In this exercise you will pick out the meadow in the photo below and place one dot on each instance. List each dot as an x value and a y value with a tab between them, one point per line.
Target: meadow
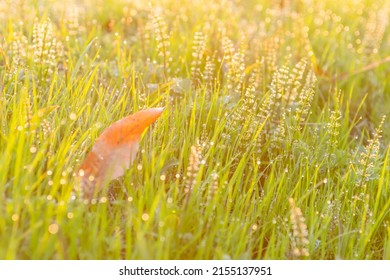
273	143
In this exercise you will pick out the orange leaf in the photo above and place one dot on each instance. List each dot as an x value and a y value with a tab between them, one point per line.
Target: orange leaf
114	150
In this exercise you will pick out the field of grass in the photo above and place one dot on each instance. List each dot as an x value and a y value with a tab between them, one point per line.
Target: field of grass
273	143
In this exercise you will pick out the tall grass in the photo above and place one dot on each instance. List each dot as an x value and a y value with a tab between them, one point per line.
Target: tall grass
273	144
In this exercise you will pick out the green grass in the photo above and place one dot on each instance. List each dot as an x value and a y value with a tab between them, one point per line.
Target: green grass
240	134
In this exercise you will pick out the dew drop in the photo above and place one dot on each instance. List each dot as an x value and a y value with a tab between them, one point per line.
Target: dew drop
53	228
15	217
73	116
33	149
145	217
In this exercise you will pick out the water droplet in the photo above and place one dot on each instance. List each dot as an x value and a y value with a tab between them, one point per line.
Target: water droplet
53	228
73	116
145	217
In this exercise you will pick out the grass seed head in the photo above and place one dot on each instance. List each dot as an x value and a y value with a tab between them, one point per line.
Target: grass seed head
299	231
193	168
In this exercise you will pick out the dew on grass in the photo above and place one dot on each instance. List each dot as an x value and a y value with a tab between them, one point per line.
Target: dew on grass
145	217
53	228
73	116
15	217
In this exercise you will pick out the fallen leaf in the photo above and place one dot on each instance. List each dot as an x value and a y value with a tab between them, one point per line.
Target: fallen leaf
114	151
